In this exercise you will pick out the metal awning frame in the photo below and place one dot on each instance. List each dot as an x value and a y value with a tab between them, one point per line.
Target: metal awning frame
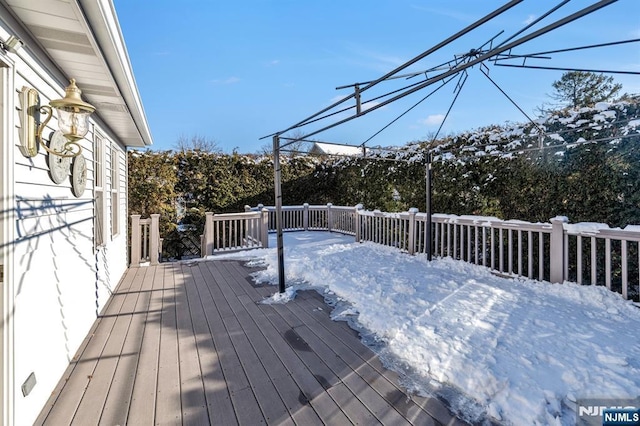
462	63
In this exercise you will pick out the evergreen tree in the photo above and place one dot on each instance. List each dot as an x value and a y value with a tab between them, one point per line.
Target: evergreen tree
580	88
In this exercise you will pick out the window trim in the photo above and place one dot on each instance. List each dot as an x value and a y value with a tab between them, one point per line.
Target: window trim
115	191
99	172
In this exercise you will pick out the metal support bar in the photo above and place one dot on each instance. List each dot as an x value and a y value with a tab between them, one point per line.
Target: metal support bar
428	206
537	67
278	196
569	49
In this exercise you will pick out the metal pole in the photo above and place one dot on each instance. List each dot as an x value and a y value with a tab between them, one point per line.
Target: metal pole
278	194
428	206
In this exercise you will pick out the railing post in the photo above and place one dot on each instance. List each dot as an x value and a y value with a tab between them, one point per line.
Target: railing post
556	263
358	221
305	216
154	249
329	217
135	240
412	230
264	228
208	234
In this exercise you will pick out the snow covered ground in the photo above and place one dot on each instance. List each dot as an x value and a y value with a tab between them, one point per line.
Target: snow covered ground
519	351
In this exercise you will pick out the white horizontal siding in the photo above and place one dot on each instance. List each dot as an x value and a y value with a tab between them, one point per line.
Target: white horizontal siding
61	282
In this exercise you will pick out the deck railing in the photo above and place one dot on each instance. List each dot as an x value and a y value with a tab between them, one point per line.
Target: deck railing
556	251
146	243
508	247
313	218
596	254
234	231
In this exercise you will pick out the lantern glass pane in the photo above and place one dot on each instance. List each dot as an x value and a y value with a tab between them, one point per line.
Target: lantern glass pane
73	124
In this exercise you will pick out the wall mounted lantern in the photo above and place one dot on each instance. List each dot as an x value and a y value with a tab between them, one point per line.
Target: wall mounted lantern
73	114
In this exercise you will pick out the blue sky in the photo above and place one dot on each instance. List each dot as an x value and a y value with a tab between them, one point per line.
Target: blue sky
233	72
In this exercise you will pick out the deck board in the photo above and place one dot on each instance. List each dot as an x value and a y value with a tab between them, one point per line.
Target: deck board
218	399
91	405
119	398
168	406
143	397
193	400
189	343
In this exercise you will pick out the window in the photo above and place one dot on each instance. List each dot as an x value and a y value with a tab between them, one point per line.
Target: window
98	189
115	191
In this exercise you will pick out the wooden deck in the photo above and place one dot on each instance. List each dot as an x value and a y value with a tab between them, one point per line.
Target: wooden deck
186	343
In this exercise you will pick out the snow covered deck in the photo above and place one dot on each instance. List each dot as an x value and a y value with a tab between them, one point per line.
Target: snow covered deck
187	343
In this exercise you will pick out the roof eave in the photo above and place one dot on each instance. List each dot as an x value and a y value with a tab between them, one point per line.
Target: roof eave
103	21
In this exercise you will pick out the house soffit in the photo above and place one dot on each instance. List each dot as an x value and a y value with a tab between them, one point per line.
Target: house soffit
63	32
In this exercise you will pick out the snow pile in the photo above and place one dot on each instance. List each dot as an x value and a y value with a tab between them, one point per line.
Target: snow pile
521	352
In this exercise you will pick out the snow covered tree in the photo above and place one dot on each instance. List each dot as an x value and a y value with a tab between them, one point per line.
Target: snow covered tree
580	88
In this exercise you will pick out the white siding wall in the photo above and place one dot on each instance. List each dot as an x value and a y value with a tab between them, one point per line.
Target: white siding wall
62	280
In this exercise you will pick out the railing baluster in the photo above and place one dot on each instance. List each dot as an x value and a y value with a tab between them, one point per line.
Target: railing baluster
607	263
624	269
520	252
455	241
540	256
501	249
469	243
475	236
484	246
492	242
578	259
385	231
384	227
530	254
145	241
510	250
225	242
594	266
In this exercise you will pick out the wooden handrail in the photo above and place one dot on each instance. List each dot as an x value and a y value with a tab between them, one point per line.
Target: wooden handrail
553	251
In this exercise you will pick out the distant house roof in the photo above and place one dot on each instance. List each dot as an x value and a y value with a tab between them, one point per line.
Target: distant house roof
320	148
83	40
